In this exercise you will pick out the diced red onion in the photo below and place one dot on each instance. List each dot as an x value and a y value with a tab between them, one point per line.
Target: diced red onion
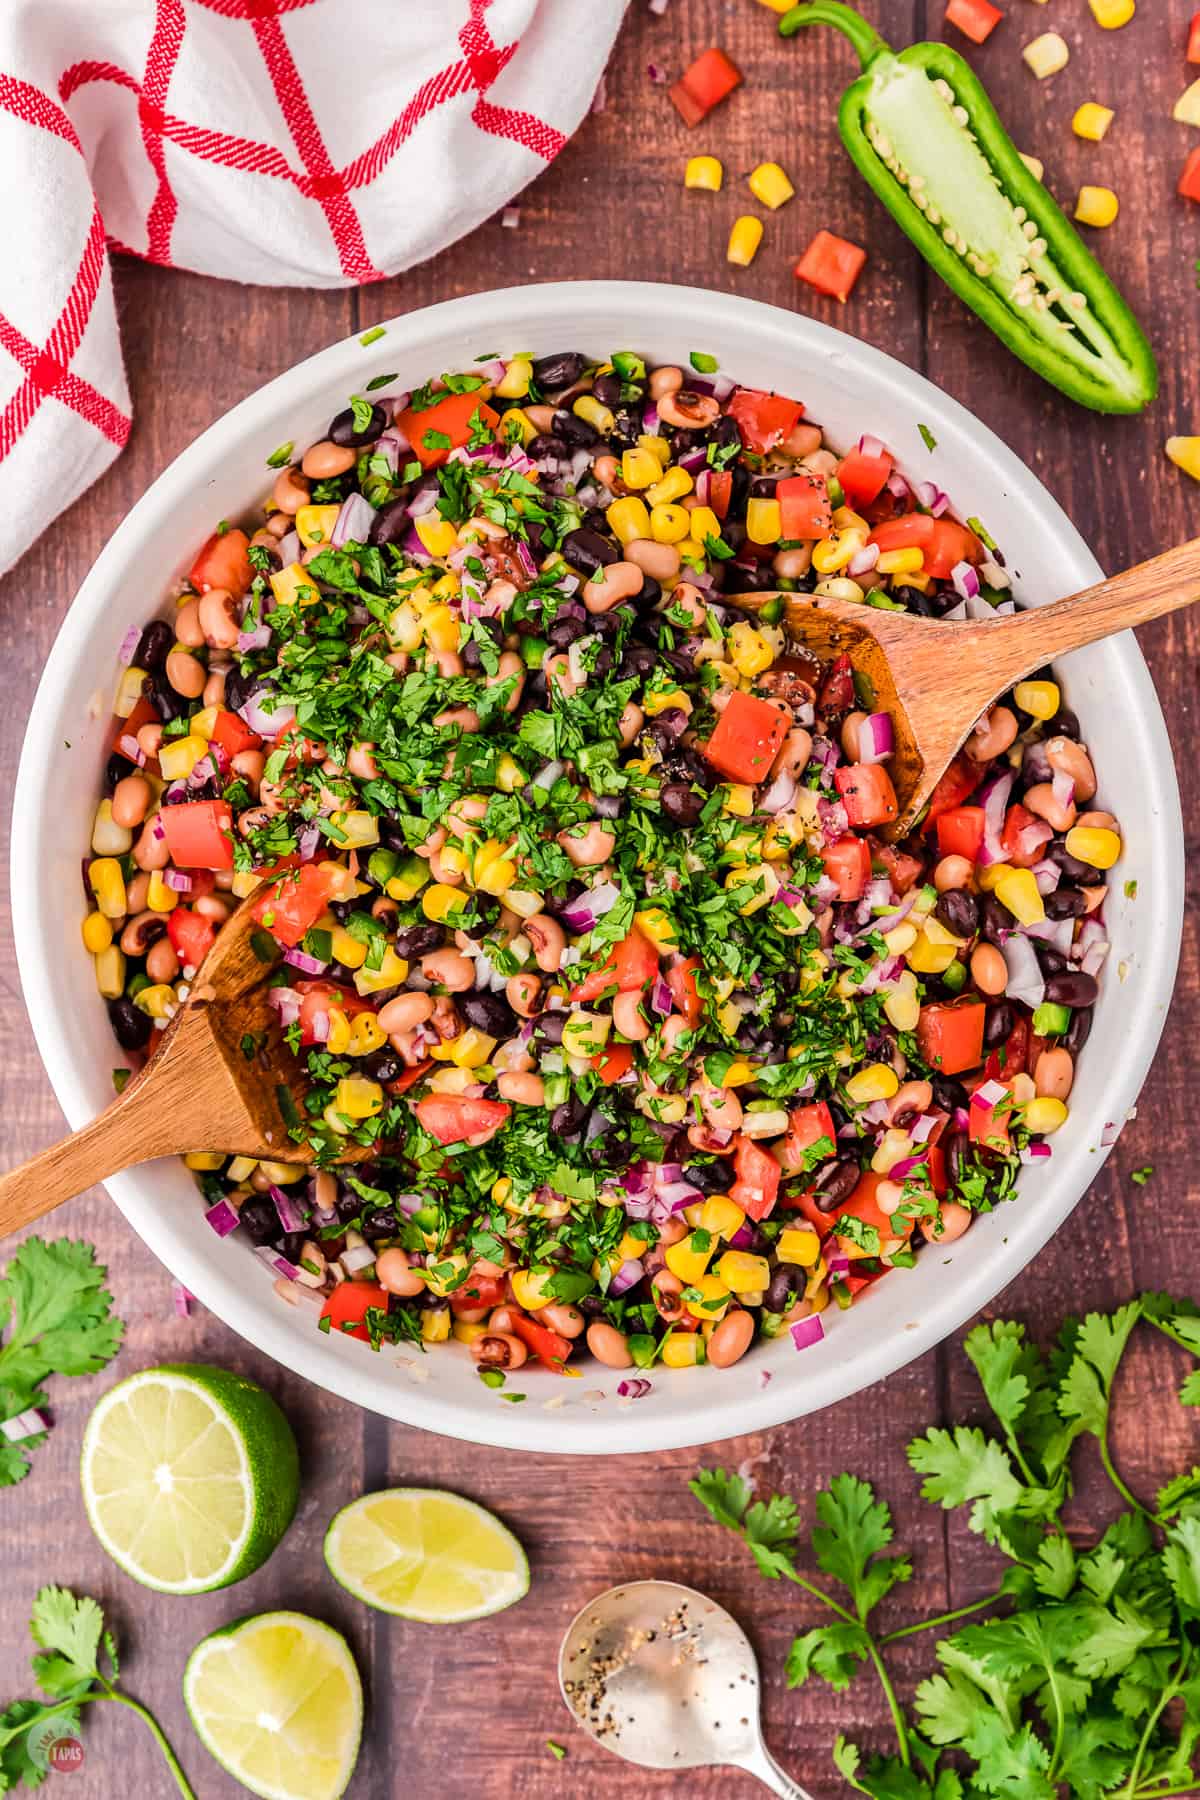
871	446
510	218
1093	959
875	1112
592	905
308	965
548	775
290	547
627	1276
660	999
693	461
994	796
922	1129
129	644
876	738
409	1203
1109	1135
1032	838
31	1423
780	794
988	1094
290	1216
657	74
393	446
221	1218
308	841
268	724
897	485
129	746
361	1256
424	497
900	1170
319	1026
414	549
806	1332
675	1195
864	560
1033	1153
838	1266
743	1237
994	575
354	521
278	1265
1063	787
183	1300
258	639
930	496
722	387
965	577
494	370
1047	875
176	879
634	1387
1058	933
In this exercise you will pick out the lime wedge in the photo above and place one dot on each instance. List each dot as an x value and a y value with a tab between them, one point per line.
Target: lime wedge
424	1554
277	1700
189	1476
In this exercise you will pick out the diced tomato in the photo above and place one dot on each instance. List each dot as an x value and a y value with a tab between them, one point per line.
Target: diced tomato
935	1157
550	1347
950	1035
832	265
410	1077
867	794
988	1125
808	1125
449	417
629	966
347	1307
804	508
763	419
233	734
1193	43
681	979
950	544
191	935
293	904
452	1118
913	531
976	19
960	831
709	80
848	862
1024	836
960	780
837	689
1015	1056
904	871
1189	181
479	1291
224	562
719	489
864	1206
757	1183
199	834
316	999
863	477
747	736
125	730
612	1062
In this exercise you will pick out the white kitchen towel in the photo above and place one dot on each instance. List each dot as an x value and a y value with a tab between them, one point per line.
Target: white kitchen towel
306	143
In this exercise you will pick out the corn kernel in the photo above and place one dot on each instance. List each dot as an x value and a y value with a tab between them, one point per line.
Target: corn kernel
159	897
1040	699
1047	54
440	626
739	1073
97	933
688	1264
1184	452
108	884
337	1040
129	691
471	1048
892	1146
1094	845
682	1350
902	1005
1096	206
110	972
1091	121
443	1272
588	408
674	484
930	958
770	186
704	172
753	886
669	524
515	383
839	587
803	1248
658	447
158	1001
629	518
242	1168
1034	164
743	1273
1044	1115
901	562
1187	107
404	627
585	1033
744	240
293	586
658	927
721	1216
523	902
435	1324
779	6
764	521
1017	890
1110	15
346	949
530	1288
835	551
314	524
464	1332
704	524
517	427
988	875
438	535
358	1099
179	757
739	800
750	651
392	972
440	902
639	469
711	1300
244	883
876	1082
109	838
203	1162
366	1035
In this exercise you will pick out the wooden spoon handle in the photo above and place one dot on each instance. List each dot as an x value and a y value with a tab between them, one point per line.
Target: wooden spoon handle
134	1128
1024	641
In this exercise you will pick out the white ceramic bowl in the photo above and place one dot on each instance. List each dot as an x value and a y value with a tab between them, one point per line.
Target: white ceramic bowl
849	388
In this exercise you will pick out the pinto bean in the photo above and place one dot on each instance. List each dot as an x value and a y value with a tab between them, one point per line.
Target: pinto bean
953	1220
794	754
405	1012
1045	804
1054	1074
188	629
658	560
664	381
720	1106
610	585
150	851
953	872
993	735
324	461
630	723
186	674
162	963
131	798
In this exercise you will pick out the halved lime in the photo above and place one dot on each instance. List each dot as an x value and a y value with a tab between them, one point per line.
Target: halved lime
189	1476
422	1553
277	1700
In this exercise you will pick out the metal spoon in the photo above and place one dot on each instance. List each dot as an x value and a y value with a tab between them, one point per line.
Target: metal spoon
663	1676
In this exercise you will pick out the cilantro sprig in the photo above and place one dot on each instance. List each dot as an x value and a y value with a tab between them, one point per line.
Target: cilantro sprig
1088	1684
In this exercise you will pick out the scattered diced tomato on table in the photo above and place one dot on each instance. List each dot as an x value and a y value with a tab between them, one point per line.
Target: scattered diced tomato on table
708	81
976	19
832	265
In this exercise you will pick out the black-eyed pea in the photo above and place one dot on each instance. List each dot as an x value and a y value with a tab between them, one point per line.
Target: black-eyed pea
995	733
661	561
666	1290
608	1345
953	1220
137	893
186	674
674	1027
457	718
589	847
448	969
556	667
610	585
1054	1073
291	491
361	762
150	851
688	411
801	441
131	798
188	629
524	1089
149	738
248	766
162	962
629	1018
1044	803
510	668
630	723
405	1012
142	931
664	381
498	1350
548	940
910	1100
793	565
324	461
850	729
214	688
212	906
1098	821
524	994
568	1321
794	754
1066	757
731	1339
395	1274
218	619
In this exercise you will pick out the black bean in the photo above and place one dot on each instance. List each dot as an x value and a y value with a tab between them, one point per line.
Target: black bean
564	631
752	578
566	1120
998	1024
348	1204
666	728
957	1148
588	550
380	1222
549	1028
382	1066
343	431
1073	989
1063	724
1050	960
165	701
835	1183
710	1178
578	433
783	1282
1072	868
482	912
650	592
238	688
259	1220
912	600
413	941
681	803
607	389
545	444
116	769
1065	903
995	921
390	523
1079	1030
488	1013
604	660
762	487
948	1094
559	371
958	911
638	660
154	645
132	1027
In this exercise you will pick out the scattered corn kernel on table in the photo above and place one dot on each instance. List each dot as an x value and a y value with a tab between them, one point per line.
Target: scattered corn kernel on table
479	1704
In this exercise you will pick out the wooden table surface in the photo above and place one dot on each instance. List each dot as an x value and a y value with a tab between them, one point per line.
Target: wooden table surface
472	1709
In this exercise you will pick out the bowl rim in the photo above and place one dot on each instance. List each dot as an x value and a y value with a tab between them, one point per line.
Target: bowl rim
260	1320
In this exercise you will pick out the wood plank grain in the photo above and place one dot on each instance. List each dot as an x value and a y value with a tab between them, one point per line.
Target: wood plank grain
474	1709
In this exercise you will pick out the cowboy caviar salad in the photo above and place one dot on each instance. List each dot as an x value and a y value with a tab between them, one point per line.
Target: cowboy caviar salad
574	875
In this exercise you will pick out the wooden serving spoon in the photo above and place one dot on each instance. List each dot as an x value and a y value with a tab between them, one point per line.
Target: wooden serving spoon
201	1090
937	678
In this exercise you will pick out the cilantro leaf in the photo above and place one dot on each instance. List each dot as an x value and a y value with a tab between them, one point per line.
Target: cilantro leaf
963	1465
72	1628
854	1528
831	1651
